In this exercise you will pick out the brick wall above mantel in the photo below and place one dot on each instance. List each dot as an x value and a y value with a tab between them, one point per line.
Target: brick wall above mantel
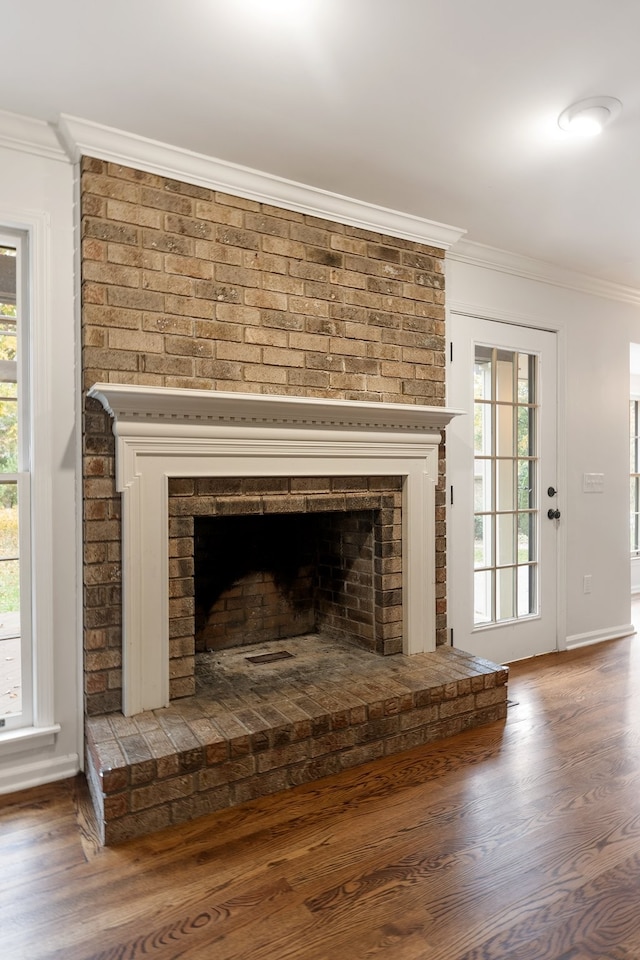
183	286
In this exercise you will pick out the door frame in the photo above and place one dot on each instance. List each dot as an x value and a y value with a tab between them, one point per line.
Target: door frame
521	320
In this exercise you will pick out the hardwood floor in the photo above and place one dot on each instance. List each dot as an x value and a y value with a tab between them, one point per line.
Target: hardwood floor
517	840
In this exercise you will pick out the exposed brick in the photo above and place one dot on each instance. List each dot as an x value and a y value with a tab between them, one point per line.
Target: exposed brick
187	226
187	287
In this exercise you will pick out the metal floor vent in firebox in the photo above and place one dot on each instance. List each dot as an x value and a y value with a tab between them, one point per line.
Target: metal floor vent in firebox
270	657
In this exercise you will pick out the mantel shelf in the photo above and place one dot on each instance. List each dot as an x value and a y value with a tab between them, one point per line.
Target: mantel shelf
130	404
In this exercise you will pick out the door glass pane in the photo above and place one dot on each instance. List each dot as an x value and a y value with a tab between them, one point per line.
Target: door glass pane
482	486
526	378
482	428
527	590
525	431
506	538
504	376
482	373
504	431
482	543
505	600
526	537
505	496
482	596
525	485
505	491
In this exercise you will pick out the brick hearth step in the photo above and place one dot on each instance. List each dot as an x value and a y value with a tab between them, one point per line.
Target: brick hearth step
258	728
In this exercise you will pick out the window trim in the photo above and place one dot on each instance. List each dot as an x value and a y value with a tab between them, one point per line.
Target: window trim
18	372
35	229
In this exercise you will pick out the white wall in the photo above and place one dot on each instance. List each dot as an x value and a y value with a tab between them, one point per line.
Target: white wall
36	183
594	337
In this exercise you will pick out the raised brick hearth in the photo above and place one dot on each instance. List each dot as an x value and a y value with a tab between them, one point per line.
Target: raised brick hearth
256	729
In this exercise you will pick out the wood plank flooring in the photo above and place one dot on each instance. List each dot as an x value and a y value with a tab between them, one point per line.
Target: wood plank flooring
519	840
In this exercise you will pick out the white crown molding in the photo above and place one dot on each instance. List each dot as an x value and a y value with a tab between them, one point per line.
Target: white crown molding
30	136
481	255
82	137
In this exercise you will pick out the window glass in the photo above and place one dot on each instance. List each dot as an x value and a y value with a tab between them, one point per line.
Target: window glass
13	655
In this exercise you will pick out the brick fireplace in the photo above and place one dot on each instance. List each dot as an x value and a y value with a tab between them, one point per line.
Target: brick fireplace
183	455
247	361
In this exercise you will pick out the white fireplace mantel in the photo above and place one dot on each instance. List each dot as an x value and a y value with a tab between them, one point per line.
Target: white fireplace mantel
162	432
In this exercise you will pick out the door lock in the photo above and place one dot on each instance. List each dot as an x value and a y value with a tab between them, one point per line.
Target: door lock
553	514
551	491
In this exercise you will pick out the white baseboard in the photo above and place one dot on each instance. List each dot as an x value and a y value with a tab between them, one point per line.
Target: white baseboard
597	636
24	774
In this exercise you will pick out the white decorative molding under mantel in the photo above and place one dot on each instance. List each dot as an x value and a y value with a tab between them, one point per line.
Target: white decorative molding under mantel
162	432
84	138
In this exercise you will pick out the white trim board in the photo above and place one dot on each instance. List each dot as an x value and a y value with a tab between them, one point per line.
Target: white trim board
503	261
30	136
71	137
36	227
24	774
597	636
82	137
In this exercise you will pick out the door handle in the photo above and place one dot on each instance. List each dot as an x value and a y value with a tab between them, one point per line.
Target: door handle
553	514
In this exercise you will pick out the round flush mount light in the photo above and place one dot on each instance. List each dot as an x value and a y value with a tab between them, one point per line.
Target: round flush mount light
586	118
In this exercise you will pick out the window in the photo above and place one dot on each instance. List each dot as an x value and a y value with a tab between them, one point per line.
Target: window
15	640
634	445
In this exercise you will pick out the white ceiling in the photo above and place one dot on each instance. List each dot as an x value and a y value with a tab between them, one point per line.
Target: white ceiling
446	109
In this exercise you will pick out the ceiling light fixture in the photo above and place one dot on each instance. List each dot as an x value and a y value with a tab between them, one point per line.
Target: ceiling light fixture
586	118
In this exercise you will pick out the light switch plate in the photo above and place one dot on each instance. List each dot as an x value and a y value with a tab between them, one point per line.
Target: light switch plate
593	483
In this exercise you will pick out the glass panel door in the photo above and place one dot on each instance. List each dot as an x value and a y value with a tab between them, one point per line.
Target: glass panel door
501	466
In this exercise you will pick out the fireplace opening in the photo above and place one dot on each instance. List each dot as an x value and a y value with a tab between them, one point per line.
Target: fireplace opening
262	578
265	559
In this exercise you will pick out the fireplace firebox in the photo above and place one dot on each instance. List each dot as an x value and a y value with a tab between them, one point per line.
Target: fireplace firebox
266	558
